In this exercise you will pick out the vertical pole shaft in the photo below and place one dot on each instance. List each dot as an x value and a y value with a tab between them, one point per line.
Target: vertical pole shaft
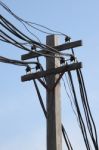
54	133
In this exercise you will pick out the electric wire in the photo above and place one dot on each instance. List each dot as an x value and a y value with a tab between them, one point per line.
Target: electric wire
9	39
6	38
89	119
81	122
24	37
16	34
31	23
69	97
88	115
67	141
4	6
16	62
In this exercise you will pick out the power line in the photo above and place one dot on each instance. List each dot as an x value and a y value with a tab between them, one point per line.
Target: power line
16	62
32	23
26	44
23	21
81	122
89	119
67	141
19	34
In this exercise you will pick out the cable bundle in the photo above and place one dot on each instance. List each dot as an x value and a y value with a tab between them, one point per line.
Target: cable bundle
27	41
16	62
24	42
89	119
31	24
80	119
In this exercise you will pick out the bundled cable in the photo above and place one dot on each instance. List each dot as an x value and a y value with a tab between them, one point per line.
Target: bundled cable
13	30
80	119
48	48
89	119
16	62
33	24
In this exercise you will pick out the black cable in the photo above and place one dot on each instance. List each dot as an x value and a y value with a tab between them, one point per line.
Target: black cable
16	62
69	97
32	23
89	119
12	30
82	125
67	141
40	99
88	105
22	21
16	43
21	46
18	31
50	49
5	39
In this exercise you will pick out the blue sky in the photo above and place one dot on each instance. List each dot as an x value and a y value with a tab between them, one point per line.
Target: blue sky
22	124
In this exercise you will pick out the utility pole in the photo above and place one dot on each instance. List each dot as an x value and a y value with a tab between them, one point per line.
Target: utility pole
54	132
52	74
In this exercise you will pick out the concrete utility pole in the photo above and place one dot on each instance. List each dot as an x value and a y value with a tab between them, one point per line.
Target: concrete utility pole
52	74
54	132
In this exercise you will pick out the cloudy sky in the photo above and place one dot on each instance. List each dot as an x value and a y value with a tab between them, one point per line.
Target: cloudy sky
22	123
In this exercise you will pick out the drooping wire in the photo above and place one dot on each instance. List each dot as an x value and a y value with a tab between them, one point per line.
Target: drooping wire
23	21
22	36
32	23
81	122
87	111
16	62
8	39
18	32
89	119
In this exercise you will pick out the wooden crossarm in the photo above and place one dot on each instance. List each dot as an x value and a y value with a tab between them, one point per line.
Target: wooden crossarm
59	48
54	71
